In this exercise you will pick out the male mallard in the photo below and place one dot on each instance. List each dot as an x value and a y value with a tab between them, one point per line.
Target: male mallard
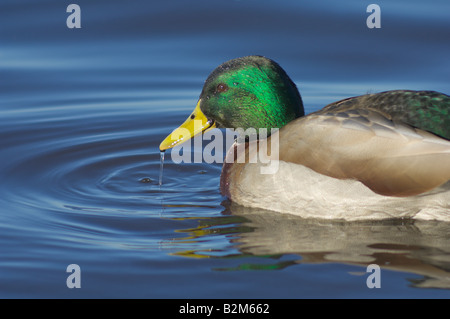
374	156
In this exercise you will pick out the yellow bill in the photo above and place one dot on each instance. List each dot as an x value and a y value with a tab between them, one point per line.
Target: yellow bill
195	124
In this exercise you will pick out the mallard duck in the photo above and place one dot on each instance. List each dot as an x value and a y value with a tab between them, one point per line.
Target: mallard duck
374	156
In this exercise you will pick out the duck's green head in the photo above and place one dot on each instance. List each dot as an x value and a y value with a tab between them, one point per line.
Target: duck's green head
249	92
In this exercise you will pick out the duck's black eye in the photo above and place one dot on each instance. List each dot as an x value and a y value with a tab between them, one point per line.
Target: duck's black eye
192	116
222	87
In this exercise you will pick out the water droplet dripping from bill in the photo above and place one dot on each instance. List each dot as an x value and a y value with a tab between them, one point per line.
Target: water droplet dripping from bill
161	166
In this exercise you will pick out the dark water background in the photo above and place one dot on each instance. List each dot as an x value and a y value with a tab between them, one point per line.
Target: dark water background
82	114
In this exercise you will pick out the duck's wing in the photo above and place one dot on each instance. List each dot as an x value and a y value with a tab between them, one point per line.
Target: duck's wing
425	110
388	156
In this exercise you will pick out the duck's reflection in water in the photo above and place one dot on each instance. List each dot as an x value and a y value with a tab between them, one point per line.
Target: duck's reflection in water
419	247
411	246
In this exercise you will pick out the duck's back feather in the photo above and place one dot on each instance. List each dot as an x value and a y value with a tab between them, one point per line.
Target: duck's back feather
425	110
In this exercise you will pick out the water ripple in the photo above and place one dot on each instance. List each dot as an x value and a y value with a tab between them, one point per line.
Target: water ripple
79	166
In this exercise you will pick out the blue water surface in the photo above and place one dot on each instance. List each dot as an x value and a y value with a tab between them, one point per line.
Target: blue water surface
82	114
